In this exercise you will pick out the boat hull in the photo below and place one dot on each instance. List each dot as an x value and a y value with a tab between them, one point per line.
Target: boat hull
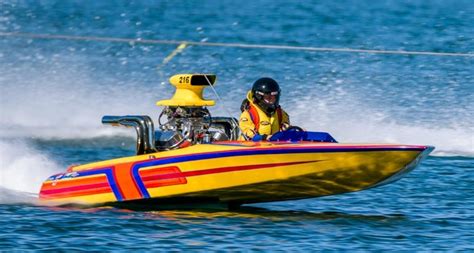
235	173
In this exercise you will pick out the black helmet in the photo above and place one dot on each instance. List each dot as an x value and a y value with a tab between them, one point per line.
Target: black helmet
266	94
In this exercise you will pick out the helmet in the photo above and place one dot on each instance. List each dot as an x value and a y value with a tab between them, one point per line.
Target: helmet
266	94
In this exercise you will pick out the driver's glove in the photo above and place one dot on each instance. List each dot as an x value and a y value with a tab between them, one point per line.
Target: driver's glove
284	126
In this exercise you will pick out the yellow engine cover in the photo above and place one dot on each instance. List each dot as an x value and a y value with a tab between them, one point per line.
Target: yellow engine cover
189	88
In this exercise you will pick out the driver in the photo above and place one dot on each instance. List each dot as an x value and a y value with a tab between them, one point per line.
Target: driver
262	115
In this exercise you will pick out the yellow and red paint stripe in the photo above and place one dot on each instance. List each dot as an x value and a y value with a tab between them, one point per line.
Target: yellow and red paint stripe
119	180
157	177
73	184
132	180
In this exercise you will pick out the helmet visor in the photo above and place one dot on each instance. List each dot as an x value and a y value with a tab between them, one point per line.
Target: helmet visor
270	98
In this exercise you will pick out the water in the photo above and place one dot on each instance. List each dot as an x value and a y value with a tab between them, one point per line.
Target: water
54	92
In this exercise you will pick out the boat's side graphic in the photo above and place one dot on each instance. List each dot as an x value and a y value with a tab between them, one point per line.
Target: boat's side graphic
178	177
147	176
134	186
76	184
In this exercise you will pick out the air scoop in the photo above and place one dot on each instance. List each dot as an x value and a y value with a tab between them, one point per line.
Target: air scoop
189	88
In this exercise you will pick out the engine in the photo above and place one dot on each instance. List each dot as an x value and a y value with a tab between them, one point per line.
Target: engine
187	122
184	127
191	123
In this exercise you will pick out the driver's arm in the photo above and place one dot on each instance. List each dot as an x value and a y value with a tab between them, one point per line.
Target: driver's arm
285	123
246	125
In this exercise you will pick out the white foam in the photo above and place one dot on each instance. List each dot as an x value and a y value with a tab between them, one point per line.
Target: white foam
23	168
9	196
65	104
60	106
447	141
360	124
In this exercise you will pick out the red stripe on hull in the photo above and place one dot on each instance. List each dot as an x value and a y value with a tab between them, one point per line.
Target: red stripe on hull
68	194
76	189
218	170
78	181
151	178
165	182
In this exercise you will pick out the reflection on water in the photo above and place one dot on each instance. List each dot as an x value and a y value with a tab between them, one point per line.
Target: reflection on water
244	212
248	212
9	196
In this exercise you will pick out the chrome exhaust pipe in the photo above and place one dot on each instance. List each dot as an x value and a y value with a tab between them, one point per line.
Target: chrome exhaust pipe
150	136
143	126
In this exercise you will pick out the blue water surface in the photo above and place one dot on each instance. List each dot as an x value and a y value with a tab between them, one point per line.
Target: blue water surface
53	93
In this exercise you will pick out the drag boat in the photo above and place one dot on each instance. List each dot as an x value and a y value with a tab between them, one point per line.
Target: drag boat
196	159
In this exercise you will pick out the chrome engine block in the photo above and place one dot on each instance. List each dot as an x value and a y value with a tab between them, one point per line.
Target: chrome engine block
184	126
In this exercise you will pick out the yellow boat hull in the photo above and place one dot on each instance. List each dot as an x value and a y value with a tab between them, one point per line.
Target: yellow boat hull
234	173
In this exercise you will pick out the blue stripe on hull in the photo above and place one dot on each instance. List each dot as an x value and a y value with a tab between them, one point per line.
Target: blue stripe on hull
220	154
108	172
